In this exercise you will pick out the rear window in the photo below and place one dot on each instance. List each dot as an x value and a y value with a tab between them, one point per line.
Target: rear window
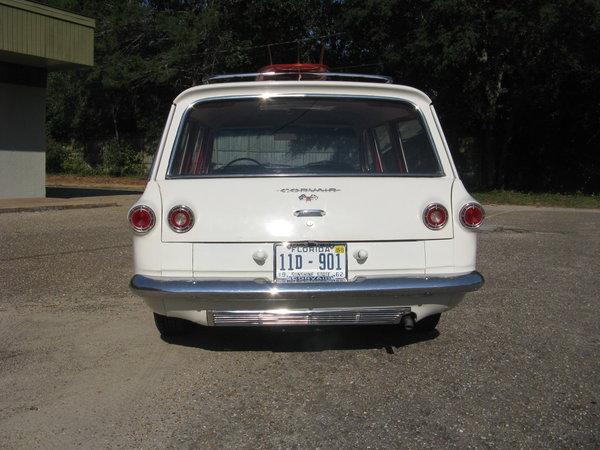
303	136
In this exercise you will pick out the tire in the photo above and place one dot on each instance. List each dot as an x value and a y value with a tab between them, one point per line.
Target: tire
171	326
427	324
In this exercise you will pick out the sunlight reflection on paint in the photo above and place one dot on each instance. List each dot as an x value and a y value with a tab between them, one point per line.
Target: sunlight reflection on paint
280	228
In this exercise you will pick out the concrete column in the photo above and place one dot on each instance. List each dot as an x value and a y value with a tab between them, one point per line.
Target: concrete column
22	141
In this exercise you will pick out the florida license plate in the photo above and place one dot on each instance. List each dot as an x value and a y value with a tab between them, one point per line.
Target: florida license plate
296	263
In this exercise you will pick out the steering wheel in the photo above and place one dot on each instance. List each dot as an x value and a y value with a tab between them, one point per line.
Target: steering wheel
241	159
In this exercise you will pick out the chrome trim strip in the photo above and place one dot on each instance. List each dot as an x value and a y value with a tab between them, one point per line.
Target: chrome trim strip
281	317
264	290
309	213
309	175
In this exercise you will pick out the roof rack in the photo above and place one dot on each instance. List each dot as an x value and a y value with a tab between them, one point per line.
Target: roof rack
296	75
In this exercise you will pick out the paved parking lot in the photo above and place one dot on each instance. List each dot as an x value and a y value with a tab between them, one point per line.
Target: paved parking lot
517	364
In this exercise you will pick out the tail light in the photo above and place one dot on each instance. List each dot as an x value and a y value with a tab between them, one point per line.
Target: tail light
141	218
181	219
472	215
435	216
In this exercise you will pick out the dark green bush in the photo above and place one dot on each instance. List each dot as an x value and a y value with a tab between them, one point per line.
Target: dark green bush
122	160
115	160
56	155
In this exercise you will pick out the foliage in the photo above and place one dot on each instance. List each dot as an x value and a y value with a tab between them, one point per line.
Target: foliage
62	159
122	160
116	160
516	84
504	197
56	155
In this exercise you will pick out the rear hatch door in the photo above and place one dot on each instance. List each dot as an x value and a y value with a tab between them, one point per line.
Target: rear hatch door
306	209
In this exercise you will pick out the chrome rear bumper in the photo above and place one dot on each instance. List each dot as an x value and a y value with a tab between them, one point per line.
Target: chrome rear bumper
215	290
249	302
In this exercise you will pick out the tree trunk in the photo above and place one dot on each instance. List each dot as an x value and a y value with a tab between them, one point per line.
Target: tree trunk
115	125
489	157
488	163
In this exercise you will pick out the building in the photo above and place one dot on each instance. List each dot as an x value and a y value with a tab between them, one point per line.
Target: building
34	40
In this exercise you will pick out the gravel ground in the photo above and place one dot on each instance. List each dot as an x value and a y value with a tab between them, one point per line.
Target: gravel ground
515	365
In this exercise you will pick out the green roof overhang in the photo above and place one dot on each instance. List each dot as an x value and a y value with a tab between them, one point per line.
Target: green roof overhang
36	35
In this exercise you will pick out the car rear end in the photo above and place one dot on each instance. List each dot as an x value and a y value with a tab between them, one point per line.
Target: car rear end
304	202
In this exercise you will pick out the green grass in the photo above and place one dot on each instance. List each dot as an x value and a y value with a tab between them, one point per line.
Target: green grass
534	199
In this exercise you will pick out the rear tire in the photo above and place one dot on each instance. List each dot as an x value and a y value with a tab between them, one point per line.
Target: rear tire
171	326
427	324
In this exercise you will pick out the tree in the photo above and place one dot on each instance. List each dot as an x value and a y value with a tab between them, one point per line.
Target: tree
501	74
517	84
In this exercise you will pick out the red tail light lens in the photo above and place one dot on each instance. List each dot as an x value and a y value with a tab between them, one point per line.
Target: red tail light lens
435	216
181	219
141	218
472	215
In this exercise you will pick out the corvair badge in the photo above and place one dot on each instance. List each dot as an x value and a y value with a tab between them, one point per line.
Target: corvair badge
307	190
308	198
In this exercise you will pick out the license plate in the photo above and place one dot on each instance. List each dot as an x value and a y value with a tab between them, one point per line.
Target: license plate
296	263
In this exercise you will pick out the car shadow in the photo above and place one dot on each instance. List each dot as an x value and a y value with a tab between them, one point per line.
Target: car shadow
300	339
72	192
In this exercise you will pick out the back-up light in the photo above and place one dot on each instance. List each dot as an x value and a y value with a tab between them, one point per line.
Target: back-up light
141	218
472	215
181	219
435	216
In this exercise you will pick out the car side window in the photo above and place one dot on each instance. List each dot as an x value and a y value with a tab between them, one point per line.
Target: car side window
418	152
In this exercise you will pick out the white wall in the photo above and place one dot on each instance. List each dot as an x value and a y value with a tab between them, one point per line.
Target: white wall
22	141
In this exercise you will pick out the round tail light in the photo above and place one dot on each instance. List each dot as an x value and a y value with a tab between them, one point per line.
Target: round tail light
141	218
472	215
181	219
435	216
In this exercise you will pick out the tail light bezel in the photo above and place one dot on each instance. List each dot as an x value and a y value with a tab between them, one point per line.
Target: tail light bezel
432	224
463	213
141	209
181	209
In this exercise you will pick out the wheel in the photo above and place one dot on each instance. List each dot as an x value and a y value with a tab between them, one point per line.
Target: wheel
427	324
171	326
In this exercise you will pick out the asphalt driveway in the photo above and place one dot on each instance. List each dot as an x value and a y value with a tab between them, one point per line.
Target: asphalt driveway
517	364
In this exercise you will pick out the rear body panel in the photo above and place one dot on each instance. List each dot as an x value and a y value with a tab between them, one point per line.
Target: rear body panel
240	216
263	209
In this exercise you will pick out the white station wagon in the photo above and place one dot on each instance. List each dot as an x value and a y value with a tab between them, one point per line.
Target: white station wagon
296	196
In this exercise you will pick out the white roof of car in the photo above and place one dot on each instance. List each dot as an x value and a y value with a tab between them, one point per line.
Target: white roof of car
268	89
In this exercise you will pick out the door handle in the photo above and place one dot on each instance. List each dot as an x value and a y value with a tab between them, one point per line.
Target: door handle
309	213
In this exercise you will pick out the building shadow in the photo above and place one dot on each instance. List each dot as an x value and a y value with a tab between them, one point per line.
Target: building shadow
300	339
75	192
